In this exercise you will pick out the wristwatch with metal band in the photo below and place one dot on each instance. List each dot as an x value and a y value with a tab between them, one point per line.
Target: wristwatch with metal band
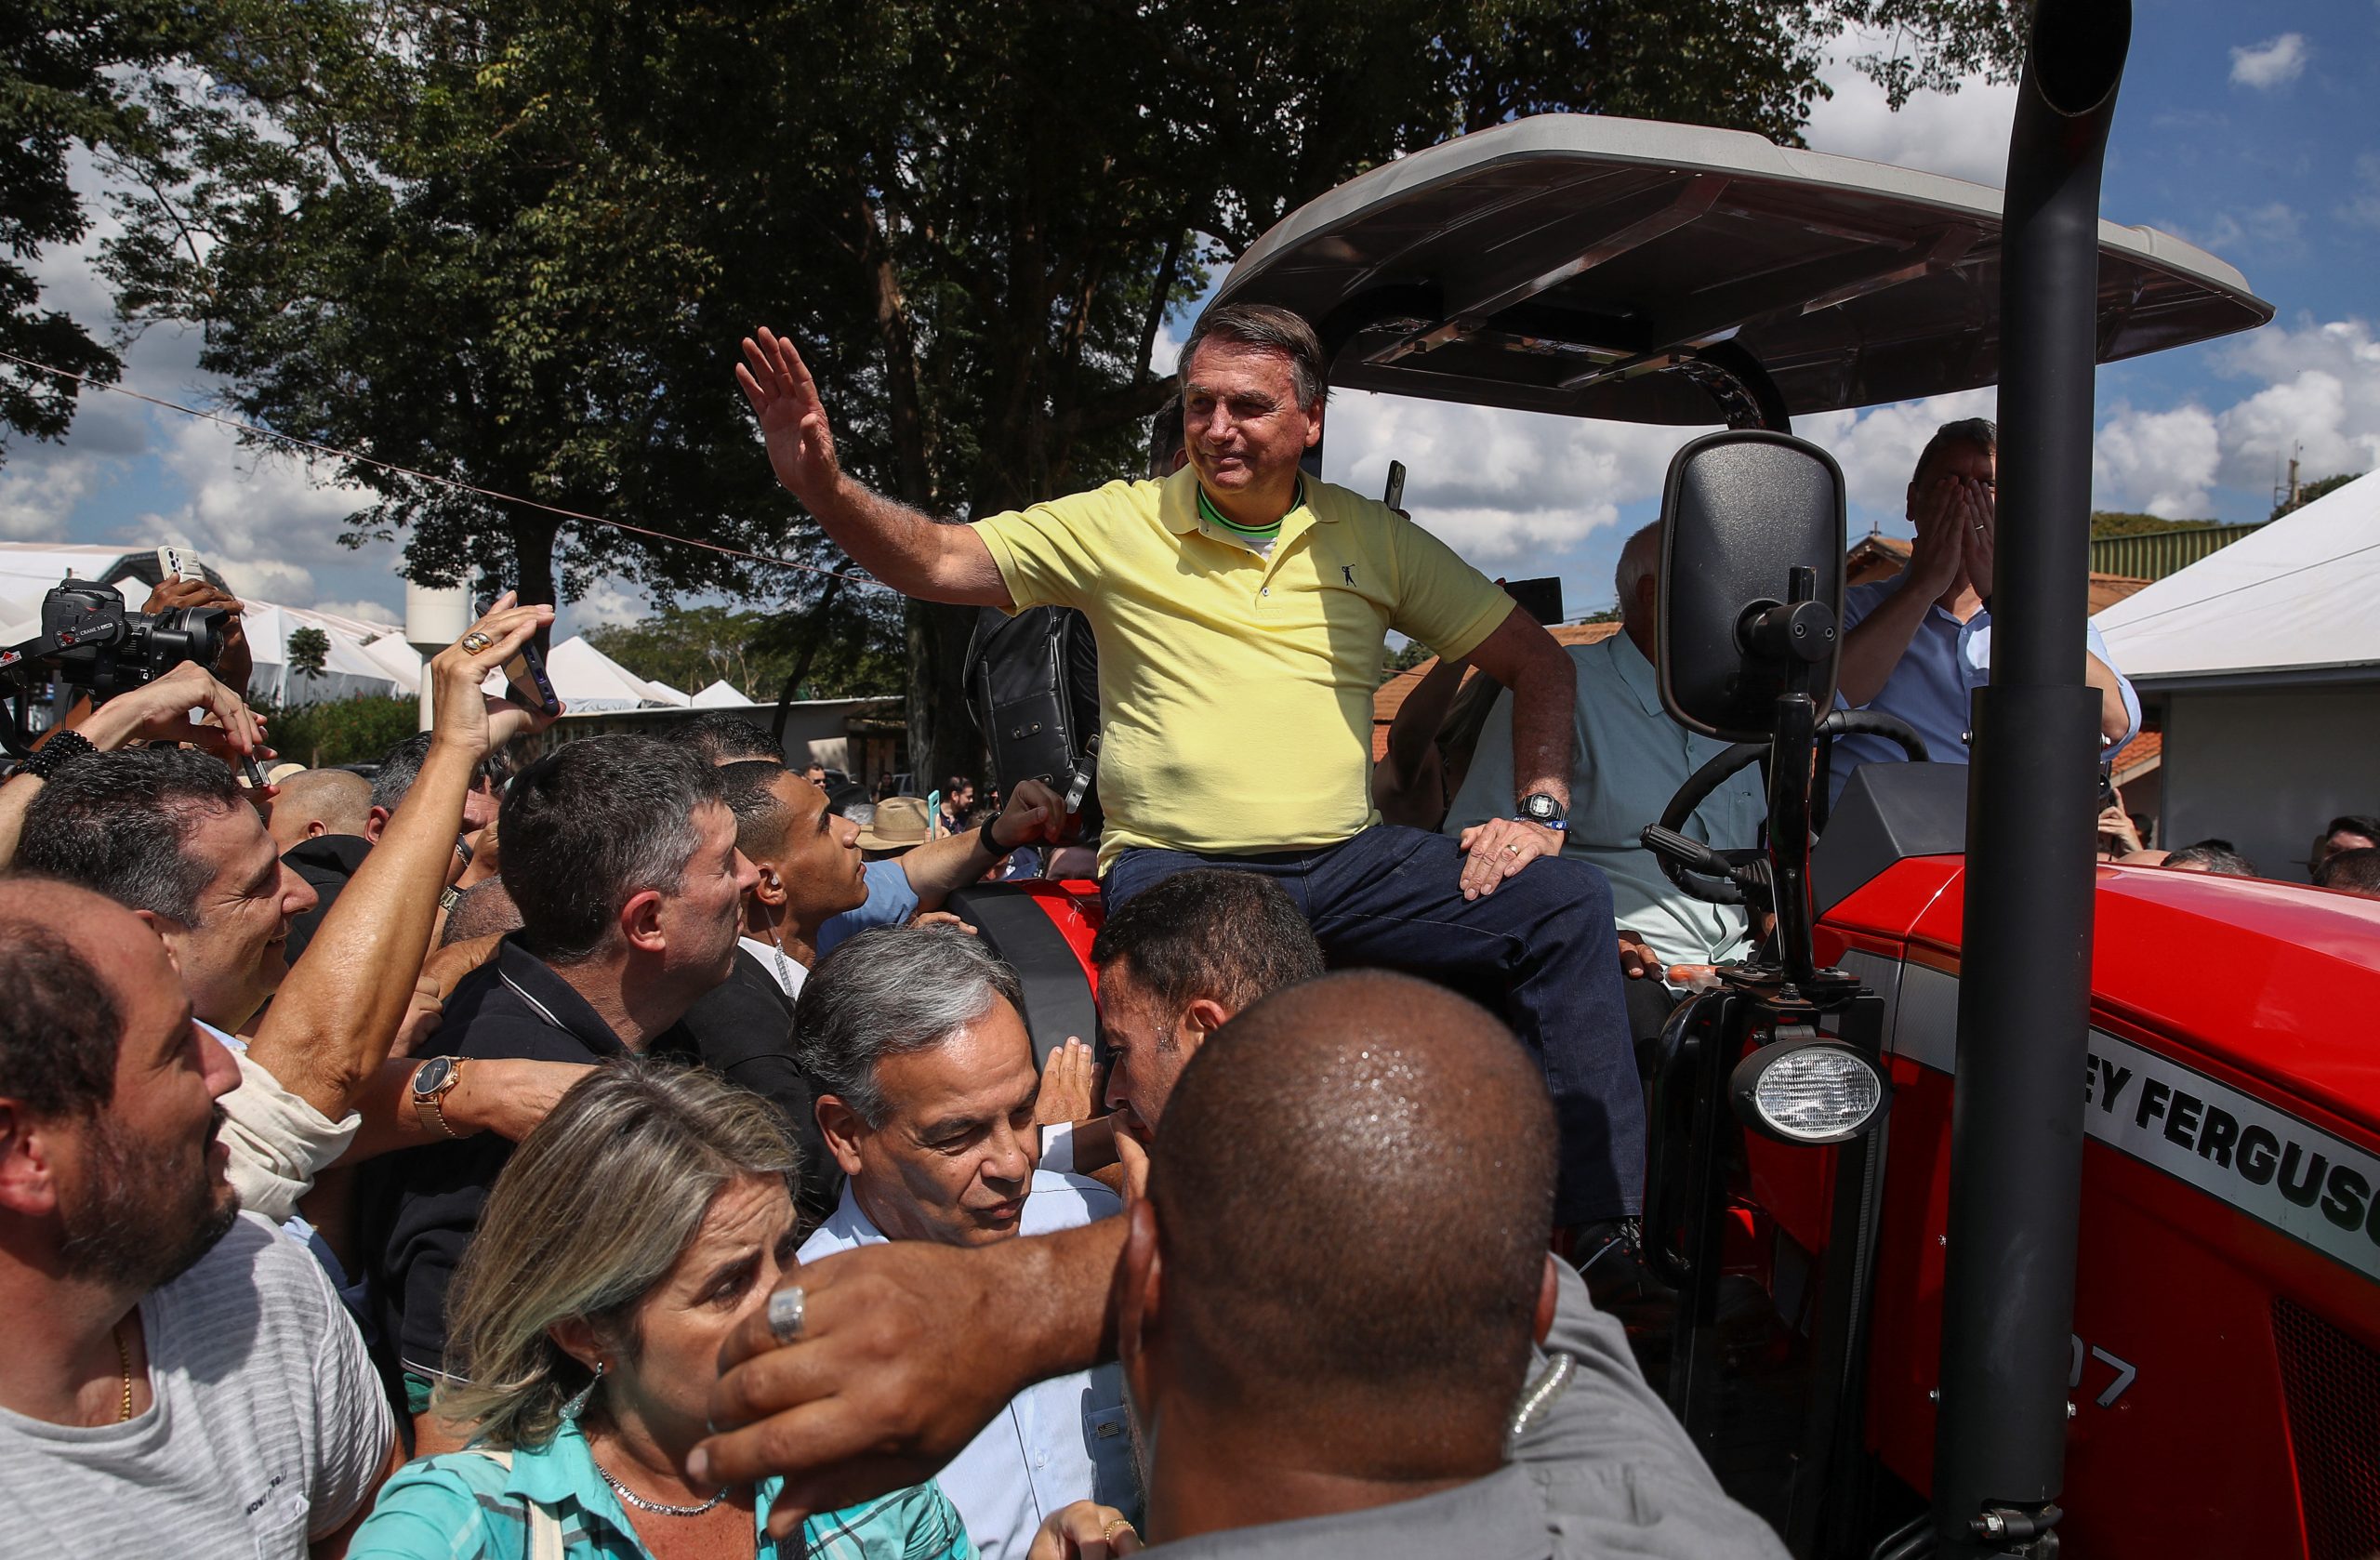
1543	809
432	1081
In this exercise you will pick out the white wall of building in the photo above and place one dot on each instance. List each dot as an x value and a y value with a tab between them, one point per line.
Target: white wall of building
2265	769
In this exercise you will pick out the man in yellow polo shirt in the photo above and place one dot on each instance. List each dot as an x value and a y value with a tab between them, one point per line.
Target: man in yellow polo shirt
1240	609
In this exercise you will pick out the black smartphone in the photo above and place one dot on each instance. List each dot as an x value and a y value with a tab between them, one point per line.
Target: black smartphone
1394	497
526	684
1541	599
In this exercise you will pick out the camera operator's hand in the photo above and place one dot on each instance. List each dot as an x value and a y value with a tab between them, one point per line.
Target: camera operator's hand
159	712
236	664
462	714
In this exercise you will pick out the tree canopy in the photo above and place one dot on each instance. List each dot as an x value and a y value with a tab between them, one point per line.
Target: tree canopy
513	245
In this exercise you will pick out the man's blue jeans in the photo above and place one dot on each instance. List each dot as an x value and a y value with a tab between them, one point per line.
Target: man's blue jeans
1392	898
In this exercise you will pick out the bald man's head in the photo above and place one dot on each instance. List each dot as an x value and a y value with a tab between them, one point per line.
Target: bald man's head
1353	1190
319	801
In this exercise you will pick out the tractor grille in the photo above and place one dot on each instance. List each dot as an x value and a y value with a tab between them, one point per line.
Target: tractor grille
2333	1386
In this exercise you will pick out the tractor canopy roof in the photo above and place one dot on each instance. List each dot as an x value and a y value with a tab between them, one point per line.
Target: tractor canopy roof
1591	267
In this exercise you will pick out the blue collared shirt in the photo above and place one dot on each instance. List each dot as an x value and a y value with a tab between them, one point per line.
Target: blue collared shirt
468	1505
1947	660
1059	1441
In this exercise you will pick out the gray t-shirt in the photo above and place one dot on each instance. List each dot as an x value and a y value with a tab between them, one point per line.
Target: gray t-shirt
267	1428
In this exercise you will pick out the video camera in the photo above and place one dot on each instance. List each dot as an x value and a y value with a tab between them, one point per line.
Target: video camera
89	637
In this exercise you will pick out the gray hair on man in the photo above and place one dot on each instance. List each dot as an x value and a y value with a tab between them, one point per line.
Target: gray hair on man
886	992
1640	558
1266	329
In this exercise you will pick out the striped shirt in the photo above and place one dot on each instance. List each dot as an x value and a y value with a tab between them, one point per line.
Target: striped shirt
267	1426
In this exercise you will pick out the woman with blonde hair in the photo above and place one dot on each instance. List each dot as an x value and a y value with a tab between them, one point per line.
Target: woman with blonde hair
648	1215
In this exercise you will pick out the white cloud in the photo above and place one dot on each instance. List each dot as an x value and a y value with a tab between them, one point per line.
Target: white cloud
257	515
606	602
1878	448
2160	463
2275	62
1498	486
369	612
2321	392
1963	134
36	499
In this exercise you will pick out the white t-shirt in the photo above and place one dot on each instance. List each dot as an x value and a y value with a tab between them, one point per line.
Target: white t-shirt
268	1426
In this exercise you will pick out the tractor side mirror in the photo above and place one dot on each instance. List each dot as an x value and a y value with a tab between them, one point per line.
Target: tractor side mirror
1752	581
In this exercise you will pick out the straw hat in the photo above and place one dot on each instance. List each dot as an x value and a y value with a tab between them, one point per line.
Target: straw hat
900	821
279	773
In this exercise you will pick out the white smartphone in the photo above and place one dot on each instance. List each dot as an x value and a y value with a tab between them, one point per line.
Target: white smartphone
179	560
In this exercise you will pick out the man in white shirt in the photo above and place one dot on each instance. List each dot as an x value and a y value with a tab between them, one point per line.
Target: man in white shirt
1630	757
177	1374
925	1098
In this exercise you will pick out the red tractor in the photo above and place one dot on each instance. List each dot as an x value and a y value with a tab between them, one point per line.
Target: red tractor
2012	1198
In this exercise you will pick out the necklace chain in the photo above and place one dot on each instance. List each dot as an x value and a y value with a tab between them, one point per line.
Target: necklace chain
656	1507
124	1362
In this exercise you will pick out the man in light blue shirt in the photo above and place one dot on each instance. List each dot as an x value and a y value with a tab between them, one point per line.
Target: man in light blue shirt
926	1096
1629	759
1917	645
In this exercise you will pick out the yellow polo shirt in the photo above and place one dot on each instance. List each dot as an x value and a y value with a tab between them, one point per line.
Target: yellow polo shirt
1236	692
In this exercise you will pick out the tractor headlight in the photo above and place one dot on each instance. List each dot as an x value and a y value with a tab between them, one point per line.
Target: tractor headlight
1813	1091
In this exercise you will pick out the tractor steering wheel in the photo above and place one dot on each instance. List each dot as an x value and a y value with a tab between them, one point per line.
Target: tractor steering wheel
1720	876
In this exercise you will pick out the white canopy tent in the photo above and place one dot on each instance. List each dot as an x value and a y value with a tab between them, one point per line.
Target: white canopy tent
589	682
2293	599
2262	661
721	694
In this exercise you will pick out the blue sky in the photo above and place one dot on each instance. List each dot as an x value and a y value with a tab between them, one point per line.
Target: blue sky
2250	130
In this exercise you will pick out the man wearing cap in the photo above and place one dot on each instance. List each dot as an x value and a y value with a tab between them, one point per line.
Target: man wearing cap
1241	608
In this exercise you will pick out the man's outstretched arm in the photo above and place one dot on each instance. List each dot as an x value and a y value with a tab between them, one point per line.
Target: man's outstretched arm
907	1349
912	552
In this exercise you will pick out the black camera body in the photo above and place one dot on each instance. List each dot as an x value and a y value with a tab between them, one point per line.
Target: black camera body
89	639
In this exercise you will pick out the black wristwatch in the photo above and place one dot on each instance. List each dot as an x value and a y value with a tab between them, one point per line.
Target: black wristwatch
62	748
1542	810
983	835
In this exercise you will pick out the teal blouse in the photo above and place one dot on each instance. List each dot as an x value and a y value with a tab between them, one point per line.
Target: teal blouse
466	1506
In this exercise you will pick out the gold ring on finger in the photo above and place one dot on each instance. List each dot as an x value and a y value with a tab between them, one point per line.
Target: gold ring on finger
475	642
1114	1525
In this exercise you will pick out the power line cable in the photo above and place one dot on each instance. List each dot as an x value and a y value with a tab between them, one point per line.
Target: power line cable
309	446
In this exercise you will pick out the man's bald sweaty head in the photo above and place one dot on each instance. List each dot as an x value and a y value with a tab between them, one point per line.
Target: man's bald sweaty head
339	799
1353	1187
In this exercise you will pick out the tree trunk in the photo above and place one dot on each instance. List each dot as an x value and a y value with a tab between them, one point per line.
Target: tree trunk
532	565
943	739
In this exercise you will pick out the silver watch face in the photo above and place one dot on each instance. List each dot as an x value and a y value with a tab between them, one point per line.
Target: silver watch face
432	1076
1541	809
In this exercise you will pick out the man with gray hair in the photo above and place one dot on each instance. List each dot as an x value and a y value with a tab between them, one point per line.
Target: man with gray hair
1917	645
619	855
1629	759
926	1092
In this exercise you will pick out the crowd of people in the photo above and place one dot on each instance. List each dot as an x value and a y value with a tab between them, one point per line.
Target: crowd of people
620	1150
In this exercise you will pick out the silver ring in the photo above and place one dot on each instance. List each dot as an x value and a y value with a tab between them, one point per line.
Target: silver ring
784	1314
475	642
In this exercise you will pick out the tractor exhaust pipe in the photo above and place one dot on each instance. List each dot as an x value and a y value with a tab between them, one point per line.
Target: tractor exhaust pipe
2024	995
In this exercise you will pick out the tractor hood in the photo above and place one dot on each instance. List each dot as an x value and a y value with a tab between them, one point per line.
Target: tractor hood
1566	263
